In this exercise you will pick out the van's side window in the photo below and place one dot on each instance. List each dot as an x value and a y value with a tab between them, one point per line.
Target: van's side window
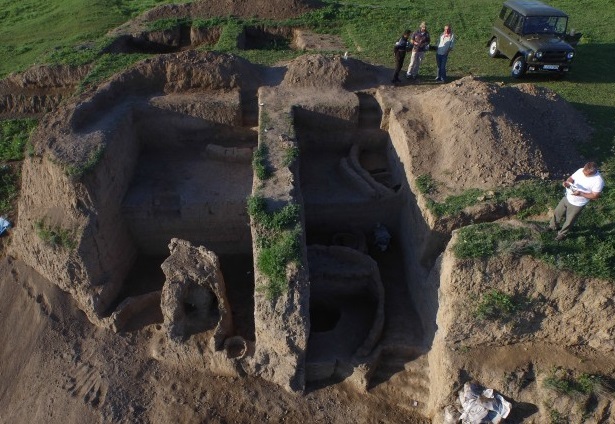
503	12
514	21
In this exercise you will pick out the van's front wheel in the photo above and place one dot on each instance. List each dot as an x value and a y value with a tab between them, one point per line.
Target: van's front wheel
493	48
518	67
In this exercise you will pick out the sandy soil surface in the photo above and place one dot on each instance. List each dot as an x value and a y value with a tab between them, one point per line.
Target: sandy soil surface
57	367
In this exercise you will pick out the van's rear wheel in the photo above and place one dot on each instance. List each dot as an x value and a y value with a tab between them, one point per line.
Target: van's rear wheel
493	48
518	67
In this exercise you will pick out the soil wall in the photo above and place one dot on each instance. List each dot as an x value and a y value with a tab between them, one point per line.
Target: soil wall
560	312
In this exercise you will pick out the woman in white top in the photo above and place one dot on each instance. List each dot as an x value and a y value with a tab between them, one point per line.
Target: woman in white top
445	45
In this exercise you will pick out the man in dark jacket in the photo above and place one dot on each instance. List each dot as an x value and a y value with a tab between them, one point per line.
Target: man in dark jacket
420	44
400	49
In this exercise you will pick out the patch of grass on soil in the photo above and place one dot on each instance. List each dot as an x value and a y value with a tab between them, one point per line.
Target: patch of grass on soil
565	382
8	189
497	306
260	164
77	171
487	239
14	136
56	236
278	238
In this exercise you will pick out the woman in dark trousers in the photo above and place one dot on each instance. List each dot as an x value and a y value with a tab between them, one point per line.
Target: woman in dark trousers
401	47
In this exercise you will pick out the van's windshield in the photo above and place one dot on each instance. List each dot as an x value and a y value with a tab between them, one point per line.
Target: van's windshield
545	25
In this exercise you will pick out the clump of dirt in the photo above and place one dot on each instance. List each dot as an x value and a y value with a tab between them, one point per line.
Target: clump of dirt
475	134
325	71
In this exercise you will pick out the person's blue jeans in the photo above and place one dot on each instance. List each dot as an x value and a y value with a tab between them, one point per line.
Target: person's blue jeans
441	62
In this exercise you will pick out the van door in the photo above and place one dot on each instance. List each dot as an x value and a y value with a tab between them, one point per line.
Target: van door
513	25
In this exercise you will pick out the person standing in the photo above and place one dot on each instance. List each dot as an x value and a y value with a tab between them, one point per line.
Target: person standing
420	44
400	49
584	185
445	45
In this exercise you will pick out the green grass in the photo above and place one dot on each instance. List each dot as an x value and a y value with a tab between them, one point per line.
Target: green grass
107	65
278	238
14	140
488	239
497	306
8	189
566	383
56	236
275	256
538	194
426	184
277	221
32	30
290	155
14	136
260	162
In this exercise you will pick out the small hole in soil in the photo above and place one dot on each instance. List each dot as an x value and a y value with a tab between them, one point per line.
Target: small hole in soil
263	38
189	309
323	318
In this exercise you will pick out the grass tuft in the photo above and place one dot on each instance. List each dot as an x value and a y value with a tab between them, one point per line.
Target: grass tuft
259	163
567	383
55	235
497	306
290	155
77	171
426	184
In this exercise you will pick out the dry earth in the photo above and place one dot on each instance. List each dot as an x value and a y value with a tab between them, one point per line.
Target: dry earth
56	366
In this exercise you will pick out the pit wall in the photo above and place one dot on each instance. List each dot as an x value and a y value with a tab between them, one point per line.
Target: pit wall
282	325
567	314
90	209
420	240
90	205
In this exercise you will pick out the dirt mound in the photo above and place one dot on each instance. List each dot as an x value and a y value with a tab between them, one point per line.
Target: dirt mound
325	71
39	89
267	9
477	134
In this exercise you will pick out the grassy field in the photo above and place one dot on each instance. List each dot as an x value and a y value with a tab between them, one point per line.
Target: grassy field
72	31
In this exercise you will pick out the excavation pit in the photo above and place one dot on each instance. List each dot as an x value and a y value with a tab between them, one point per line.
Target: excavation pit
346	314
172	40
266	38
191	185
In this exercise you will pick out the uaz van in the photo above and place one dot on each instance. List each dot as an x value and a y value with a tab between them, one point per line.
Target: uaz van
533	36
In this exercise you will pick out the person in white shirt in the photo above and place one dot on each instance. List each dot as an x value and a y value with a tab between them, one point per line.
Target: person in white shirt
584	185
445	45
